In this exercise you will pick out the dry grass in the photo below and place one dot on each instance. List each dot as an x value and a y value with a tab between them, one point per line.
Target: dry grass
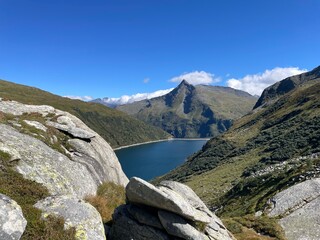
109	197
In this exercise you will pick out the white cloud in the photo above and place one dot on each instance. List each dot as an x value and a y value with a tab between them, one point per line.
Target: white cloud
136	97
146	80
196	77
256	83
83	98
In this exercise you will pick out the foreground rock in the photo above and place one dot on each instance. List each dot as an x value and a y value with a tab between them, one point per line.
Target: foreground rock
57	150
298	209
169	211
12	221
87	162
77	213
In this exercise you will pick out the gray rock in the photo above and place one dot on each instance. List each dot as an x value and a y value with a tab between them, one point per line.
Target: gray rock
177	226
298	209
73	131
100	160
217	231
44	165
140	191
36	124
215	228
295	197
12	221
187	193
126	228
303	223
145	215
17	108
93	160
96	154
77	213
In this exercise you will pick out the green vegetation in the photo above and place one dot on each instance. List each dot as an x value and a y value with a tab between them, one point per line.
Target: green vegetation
193	111
117	128
26	193
266	151
109	197
255	228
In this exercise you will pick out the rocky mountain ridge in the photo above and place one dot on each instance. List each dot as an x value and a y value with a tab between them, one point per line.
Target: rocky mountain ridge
273	148
192	111
286	85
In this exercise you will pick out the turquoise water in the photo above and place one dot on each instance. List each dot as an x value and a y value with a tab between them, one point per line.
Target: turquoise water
154	159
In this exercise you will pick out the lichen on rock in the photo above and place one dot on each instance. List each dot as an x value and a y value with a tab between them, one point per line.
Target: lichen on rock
12	221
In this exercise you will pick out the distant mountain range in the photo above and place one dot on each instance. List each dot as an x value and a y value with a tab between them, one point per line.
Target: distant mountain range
116	127
192	111
264	155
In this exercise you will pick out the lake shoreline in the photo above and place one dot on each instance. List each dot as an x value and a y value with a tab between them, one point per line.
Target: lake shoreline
161	140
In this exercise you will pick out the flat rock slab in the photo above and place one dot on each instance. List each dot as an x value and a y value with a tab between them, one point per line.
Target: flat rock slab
12	221
77	213
73	131
303	223
298	207
295	197
142	192
17	108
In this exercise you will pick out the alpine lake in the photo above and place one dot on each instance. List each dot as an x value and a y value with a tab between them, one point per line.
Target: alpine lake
150	160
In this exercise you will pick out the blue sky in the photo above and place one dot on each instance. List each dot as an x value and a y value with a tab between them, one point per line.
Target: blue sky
104	48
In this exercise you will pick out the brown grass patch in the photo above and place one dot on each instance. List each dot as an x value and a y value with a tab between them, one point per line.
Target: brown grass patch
109	197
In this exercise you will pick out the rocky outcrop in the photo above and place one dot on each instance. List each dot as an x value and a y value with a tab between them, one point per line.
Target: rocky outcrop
88	160
270	94
77	213
57	150
298	210
12	221
168	211
38	162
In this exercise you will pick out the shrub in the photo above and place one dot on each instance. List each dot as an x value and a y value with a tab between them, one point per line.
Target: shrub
109	196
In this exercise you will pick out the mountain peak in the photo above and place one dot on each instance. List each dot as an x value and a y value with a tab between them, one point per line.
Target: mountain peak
184	82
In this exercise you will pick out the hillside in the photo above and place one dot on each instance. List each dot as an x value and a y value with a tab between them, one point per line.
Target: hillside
117	128
193	111
272	148
285	86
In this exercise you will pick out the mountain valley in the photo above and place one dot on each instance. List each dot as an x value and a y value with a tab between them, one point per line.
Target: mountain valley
271	149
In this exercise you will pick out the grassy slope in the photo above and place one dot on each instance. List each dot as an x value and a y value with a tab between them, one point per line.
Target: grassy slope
193	111
115	127
232	170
